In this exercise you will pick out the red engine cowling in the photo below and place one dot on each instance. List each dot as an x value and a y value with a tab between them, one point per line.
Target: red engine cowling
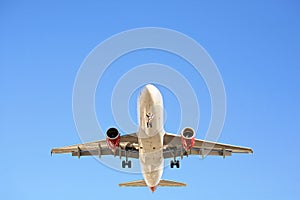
113	138
188	138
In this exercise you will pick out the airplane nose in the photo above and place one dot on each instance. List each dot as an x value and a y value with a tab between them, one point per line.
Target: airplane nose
148	88
150	94
147	92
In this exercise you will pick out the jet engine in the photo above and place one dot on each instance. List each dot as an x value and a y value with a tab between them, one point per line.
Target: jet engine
113	138
188	138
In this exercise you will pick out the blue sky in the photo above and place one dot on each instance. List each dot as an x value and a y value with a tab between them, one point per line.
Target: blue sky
255	45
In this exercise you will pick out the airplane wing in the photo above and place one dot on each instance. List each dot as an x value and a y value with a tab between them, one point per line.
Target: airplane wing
173	148
128	147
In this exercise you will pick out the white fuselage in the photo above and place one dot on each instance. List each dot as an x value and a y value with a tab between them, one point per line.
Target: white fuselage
150	134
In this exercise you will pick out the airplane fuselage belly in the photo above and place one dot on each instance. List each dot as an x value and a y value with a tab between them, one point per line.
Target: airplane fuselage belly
150	135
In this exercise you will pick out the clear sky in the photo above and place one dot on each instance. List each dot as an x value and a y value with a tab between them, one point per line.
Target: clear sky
255	45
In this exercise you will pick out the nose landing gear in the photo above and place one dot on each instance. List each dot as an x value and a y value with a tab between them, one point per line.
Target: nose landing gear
149	117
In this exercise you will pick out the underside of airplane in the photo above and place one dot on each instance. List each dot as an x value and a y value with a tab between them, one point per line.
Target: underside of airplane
151	144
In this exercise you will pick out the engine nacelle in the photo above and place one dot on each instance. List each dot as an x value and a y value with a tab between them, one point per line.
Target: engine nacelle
188	138
113	138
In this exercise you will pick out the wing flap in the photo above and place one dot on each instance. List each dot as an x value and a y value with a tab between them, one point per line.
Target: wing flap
194	151
105	152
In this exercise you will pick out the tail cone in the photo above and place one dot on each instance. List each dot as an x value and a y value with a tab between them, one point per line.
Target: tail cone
153	188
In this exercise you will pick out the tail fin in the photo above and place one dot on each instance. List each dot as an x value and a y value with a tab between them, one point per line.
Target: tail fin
162	183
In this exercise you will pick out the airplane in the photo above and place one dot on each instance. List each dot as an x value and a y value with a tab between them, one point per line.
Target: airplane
151	144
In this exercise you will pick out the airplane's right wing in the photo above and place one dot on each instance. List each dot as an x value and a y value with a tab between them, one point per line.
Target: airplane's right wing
128	148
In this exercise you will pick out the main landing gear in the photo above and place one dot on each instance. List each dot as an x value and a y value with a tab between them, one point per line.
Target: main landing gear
126	163
175	162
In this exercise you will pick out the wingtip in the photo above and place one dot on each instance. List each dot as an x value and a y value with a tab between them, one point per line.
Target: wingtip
251	151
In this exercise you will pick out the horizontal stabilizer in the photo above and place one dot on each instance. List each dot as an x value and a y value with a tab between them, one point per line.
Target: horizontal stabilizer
162	183
171	183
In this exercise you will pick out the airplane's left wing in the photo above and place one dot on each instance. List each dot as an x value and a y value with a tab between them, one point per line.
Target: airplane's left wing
127	147
173	148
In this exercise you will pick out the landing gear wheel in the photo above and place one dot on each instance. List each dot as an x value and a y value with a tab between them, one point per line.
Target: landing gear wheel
126	163
177	163
172	164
